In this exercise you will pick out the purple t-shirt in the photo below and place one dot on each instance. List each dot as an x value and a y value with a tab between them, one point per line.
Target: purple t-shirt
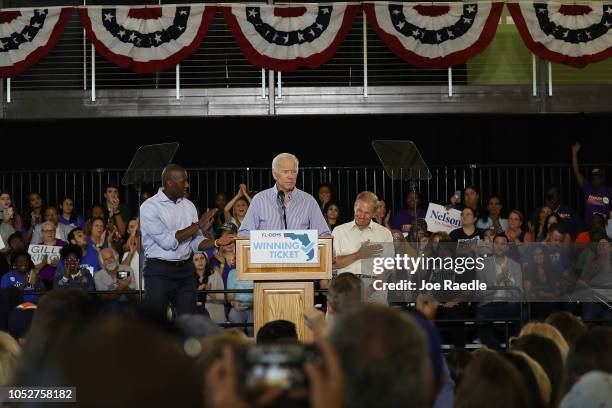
403	220
48	272
596	201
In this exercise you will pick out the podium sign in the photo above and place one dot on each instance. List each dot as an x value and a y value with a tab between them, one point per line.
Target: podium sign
283	285
284	247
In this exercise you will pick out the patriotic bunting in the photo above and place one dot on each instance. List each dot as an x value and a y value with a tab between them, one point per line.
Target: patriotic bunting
572	34
435	35
146	39
27	35
287	37
283	38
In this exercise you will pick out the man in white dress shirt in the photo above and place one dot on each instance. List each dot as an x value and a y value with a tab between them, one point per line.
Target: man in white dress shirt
363	239
171	232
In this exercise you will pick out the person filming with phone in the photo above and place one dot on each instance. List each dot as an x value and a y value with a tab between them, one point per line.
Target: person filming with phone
114	278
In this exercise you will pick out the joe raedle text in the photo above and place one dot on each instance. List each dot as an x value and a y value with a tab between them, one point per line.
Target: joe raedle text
423	285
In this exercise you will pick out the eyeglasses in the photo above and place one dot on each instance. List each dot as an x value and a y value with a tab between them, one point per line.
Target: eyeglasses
72	260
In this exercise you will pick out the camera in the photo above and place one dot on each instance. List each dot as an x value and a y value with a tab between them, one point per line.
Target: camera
123	274
276	365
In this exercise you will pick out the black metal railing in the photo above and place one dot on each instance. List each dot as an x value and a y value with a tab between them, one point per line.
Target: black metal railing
521	187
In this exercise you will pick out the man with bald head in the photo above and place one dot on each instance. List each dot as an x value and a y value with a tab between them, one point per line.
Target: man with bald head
283	206
171	233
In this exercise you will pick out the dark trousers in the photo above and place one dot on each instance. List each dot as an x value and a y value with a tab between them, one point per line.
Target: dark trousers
167	283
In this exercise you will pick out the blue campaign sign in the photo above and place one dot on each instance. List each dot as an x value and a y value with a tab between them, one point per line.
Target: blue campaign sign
284	247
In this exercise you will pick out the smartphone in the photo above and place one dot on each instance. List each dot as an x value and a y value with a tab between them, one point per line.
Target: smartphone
276	365
458	195
123	274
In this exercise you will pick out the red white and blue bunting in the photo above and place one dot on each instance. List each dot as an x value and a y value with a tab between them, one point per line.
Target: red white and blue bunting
283	38
27	35
572	34
436	35
148	39
287	37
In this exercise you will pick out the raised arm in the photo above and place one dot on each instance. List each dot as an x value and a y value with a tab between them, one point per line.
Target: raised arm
245	192
579	177
227	210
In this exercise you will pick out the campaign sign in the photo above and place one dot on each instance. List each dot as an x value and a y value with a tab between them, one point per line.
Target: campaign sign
37	252
440	219
285	247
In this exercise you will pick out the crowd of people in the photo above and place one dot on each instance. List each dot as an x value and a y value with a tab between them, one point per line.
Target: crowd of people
370	352
364	355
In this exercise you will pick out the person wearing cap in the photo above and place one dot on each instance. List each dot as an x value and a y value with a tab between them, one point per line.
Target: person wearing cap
597	196
171	233
284	206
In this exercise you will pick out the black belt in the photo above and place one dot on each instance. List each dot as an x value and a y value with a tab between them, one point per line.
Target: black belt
176	264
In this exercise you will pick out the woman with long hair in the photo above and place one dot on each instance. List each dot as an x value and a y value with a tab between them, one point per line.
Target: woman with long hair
9	214
555	218
332	215
540	284
536	226
68	215
236	209
382	215
492	218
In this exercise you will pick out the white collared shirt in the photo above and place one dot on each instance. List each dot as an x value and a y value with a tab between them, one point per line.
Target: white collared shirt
348	239
160	219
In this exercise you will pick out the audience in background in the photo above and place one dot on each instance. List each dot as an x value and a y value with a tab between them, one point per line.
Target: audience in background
492	218
9	215
98	236
14	243
383	213
552	200
68	215
403	220
114	278
60	231
536	225
235	210
73	275
241	310
332	214
376	356
25	276
89	254
49	264
115	211
325	195
33	215
597	195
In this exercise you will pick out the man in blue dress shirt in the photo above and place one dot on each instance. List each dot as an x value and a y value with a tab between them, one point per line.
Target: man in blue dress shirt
283	206
171	232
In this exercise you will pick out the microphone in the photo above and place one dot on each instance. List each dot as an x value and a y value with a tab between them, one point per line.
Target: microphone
281	201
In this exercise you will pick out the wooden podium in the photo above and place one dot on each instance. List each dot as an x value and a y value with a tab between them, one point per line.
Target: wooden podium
282	291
